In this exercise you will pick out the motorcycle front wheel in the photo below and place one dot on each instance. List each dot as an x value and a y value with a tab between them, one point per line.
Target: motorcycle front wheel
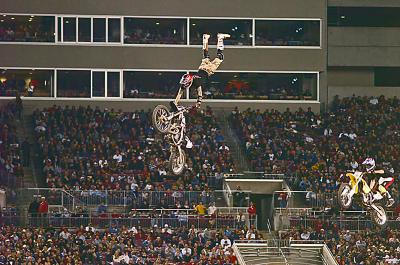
160	118
177	160
343	196
378	215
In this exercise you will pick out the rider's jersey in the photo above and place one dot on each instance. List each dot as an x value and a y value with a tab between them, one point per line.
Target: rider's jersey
377	177
200	79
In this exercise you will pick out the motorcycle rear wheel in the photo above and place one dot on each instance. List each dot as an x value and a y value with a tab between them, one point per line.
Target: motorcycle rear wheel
177	160
379	217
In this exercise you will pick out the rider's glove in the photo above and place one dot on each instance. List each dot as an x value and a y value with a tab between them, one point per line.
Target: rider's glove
198	104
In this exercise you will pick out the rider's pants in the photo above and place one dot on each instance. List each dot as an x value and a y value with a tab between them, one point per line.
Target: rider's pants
210	66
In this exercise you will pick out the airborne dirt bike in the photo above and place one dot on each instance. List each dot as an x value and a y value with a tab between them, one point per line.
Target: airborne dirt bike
354	183
172	124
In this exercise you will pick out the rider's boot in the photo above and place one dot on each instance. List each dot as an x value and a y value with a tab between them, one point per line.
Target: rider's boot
390	202
220	45
173	106
189	143
205	46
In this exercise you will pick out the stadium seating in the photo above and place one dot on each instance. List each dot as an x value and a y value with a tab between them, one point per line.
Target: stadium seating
315	149
11	172
88	149
368	245
134	245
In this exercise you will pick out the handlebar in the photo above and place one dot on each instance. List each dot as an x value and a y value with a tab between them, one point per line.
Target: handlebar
185	109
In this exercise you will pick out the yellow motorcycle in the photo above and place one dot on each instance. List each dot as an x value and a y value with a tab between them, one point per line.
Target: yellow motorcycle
354	183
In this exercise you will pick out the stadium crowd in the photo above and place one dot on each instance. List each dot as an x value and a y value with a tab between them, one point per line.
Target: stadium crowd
366	246
135	34
120	245
163	91
247	88
11	172
315	149
11	86
88	149
25	33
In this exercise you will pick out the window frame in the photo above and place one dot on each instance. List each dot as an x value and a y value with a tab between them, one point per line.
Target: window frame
121	98
187	44
289	47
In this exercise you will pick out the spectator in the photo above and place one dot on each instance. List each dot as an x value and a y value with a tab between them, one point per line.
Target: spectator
118	157
240	218
252	209
34	207
239	197
347	236
18	106
200	208
43	208
283	199
186	251
26	149
90	228
252	213
251	234
212	209
226	243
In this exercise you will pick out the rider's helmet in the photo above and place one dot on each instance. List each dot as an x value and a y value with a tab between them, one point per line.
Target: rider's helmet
369	164
186	80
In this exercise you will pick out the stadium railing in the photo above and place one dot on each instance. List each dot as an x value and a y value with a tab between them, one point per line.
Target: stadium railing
129	199
174	219
256	175
361	222
234	217
304	199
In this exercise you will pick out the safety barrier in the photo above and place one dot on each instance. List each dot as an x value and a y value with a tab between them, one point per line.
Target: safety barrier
105	221
352	224
131	199
304	199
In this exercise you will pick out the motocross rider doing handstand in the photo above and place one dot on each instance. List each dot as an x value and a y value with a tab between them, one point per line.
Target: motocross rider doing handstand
206	69
196	81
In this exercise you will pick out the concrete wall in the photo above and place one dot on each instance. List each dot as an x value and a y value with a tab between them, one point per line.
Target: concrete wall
365	3
179	58
363	37
184	58
257	186
351	76
233	8
363	46
364	56
345	91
